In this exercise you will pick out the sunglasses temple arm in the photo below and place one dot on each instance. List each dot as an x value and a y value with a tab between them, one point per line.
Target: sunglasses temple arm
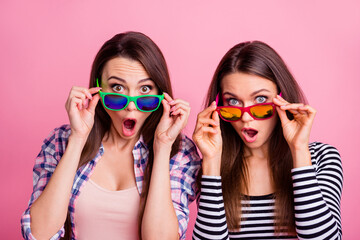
97	82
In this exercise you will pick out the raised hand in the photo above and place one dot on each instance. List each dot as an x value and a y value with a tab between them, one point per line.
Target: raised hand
207	136
296	131
174	119
80	107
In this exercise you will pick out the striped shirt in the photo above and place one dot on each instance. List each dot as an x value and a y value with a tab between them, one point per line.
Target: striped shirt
183	169
317	193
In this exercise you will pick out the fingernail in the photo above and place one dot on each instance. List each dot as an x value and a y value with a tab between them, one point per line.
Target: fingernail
171	102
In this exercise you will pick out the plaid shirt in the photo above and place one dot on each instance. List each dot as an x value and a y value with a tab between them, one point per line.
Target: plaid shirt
183	169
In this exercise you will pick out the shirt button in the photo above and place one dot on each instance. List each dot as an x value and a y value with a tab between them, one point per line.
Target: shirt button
138	165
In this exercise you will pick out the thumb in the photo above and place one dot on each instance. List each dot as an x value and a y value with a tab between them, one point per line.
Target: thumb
93	102
216	118
282	115
166	107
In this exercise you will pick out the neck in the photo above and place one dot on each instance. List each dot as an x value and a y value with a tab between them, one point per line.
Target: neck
113	140
257	153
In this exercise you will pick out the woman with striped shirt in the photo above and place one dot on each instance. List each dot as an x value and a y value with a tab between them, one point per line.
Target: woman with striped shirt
261	179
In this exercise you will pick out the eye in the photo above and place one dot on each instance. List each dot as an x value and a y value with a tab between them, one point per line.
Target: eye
145	89
232	101
117	88
261	99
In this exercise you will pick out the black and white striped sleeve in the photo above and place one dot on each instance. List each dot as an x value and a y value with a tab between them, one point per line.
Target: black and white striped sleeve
317	194
211	220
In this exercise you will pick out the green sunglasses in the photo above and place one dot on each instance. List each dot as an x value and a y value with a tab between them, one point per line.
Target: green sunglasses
118	102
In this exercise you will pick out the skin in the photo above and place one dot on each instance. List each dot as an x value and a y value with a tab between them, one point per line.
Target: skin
48	213
247	90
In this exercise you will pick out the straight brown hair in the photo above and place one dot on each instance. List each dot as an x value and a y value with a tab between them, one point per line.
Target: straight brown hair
138	47
259	59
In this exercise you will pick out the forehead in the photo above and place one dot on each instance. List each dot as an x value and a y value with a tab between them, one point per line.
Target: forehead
244	84
125	68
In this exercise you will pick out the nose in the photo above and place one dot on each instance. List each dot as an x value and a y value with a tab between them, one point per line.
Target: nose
246	117
131	106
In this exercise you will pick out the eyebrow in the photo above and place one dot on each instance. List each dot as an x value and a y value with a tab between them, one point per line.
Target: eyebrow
252	94
258	91
124	81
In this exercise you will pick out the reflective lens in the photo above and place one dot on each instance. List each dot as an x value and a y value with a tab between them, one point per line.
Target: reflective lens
230	114
259	112
148	103
115	102
262	111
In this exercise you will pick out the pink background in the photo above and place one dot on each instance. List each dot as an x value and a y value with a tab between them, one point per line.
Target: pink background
48	46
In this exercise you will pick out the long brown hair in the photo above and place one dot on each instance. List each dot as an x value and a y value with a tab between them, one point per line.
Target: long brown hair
259	59
139	47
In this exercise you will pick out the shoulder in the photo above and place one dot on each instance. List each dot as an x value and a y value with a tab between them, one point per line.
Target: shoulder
57	138
324	154
60	132
186	144
187	152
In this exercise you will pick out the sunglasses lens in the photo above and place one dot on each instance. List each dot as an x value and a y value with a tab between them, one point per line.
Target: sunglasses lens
262	111
230	114
148	103
115	102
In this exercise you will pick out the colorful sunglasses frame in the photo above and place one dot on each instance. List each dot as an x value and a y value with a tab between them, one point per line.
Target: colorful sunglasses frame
129	99
243	110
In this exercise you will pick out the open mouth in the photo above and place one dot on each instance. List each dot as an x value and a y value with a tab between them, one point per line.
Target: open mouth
249	134
129	127
129	124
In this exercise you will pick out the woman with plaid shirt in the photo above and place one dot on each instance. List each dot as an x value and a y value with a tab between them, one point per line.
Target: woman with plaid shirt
87	172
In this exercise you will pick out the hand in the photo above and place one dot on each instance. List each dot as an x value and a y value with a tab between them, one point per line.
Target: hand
296	131
207	134
80	107
174	119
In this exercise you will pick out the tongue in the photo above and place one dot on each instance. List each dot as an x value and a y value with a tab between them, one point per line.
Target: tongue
251	133
129	124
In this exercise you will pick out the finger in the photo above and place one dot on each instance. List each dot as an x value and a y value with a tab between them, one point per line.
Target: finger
168	97
82	99
166	107
179	112
80	93
294	109
206	113
279	102
208	121
292	106
216	118
93	102
208	130
310	111
77	94
179	101
75	91
86	92
94	90
85	103
75	103
180	106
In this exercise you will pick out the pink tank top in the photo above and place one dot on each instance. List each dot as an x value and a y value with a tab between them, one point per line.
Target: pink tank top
105	214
